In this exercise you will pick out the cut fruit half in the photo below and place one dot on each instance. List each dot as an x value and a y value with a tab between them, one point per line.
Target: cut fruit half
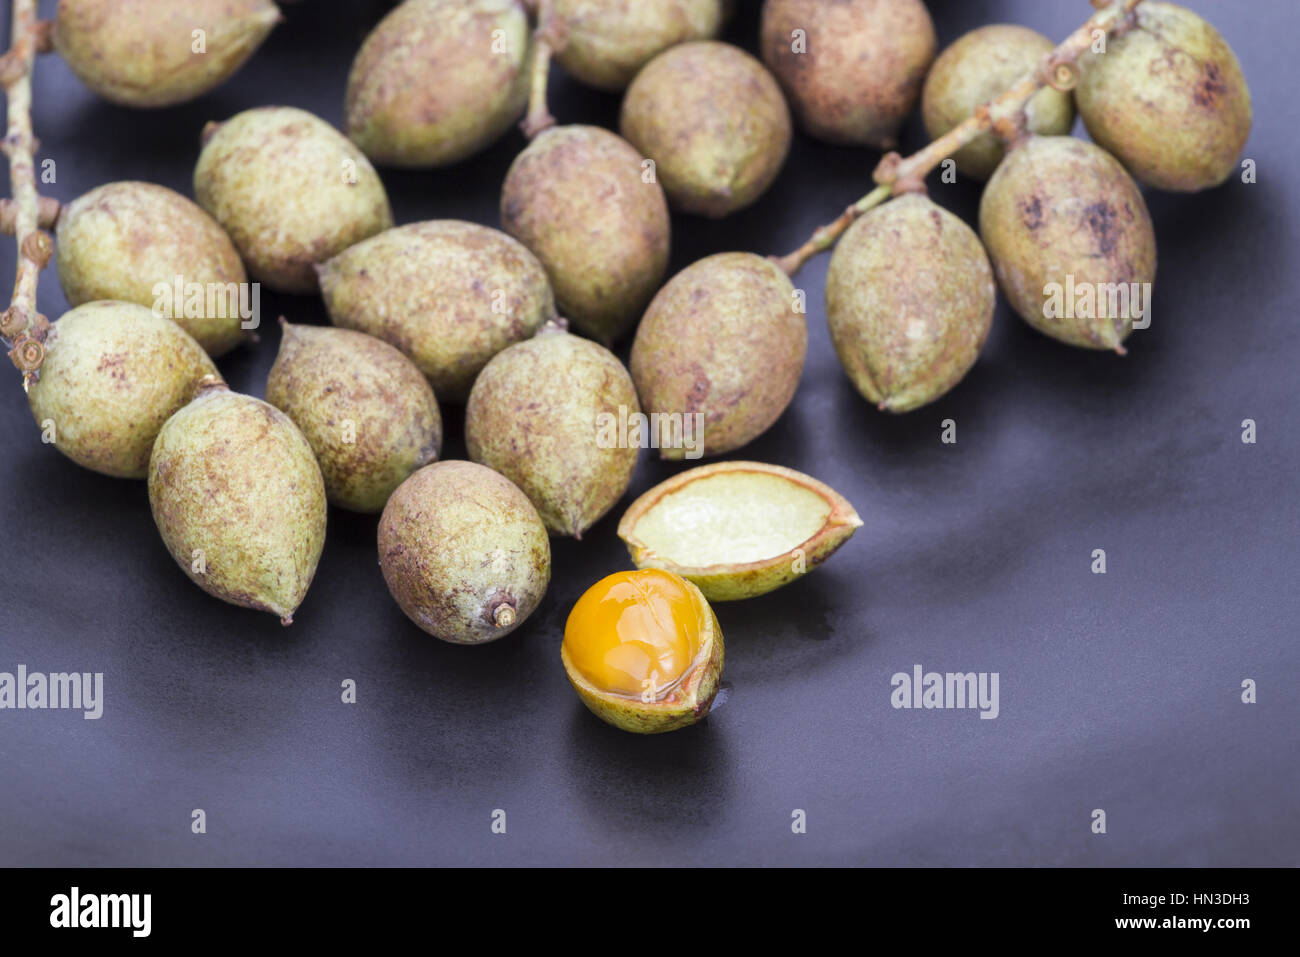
737	529
644	651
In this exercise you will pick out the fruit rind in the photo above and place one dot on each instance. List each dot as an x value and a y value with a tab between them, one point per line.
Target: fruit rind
606	42
714	121
113	374
239	500
689	703
458	543
1168	98
580	199
722	339
449	294
975	69
141	54
534	416
1059	207
735	581
478	49
290	190
861	67
367	411
122	240
910	298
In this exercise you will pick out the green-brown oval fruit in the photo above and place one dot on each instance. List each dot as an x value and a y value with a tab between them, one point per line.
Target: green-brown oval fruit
113	374
722	341
551	415
607	41
976	69
715	123
463	552
145	53
137	242
582	200
290	190
851	68
367	412
239	501
1071	241
438	80
909	301
1168	99
449	294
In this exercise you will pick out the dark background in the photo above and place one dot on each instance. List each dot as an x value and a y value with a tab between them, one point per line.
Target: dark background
1119	692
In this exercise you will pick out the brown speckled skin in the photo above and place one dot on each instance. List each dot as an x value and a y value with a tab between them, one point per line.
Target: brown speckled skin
139	52
721	338
457	541
120	239
532	417
715	123
974	70
863	67
608	41
909	301
113	374
1059	206
449	294
428	88
233	477
576	197
682	707
276	179
1168	99
325	378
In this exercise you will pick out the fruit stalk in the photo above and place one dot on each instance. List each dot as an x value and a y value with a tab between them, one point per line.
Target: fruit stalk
547	38
1002	115
22	327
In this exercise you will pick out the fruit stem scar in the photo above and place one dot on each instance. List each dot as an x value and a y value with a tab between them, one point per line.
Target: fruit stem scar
21	325
897	176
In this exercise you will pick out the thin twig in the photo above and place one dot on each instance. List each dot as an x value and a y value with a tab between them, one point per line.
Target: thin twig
549	37
24	328
1002	115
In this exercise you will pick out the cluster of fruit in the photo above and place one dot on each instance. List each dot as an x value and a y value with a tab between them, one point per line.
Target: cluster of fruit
456	312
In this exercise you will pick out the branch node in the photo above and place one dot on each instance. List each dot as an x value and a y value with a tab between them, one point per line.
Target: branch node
38	247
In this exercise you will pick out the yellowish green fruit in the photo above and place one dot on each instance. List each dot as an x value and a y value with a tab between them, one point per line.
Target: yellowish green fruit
290	190
976	69
150	53
463	552
113	374
715	123
909	301
239	501
448	294
1168	99
594	213
368	413
137	242
725	340
439	80
644	651
852	69
737	529
545	414
1071	241
607	41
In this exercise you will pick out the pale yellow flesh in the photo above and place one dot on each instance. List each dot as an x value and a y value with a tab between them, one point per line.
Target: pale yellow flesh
732	518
